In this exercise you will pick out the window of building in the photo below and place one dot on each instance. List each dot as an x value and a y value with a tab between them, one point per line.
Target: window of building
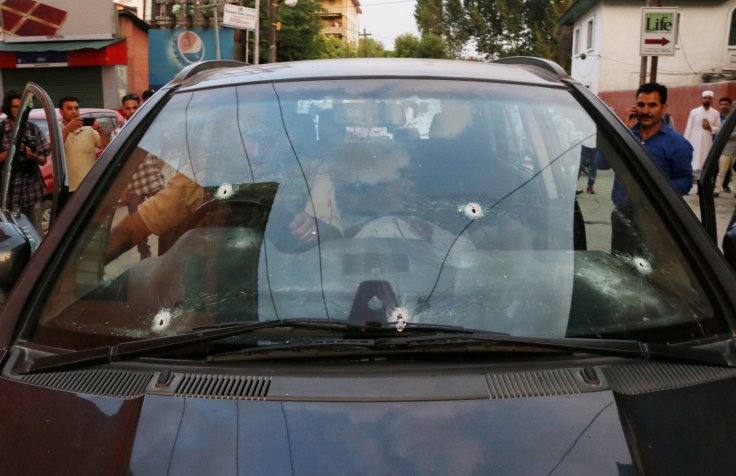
576	41
589	35
732	30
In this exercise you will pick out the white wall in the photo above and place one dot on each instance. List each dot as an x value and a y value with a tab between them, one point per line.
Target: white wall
586	62
114	85
615	62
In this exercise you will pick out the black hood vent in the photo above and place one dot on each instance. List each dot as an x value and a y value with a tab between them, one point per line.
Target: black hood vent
533	384
109	383
223	386
651	377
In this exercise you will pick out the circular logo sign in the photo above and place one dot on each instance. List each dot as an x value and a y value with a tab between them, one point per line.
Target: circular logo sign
188	47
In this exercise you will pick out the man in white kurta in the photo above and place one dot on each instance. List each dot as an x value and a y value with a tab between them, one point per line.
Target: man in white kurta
702	124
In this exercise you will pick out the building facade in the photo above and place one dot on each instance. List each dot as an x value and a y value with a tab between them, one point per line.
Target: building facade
340	19
98	71
606	50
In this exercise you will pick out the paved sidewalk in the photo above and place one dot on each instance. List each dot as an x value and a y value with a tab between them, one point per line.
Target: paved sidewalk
725	204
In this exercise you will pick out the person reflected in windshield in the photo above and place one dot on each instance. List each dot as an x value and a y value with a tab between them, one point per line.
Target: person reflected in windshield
147	180
182	198
27	188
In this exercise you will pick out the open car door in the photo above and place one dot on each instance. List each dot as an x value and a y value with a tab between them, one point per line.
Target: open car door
18	238
706	186
34	96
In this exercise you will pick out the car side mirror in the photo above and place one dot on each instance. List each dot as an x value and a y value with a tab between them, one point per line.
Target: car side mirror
15	251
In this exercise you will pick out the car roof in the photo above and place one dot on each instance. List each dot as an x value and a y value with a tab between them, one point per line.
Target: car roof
226	73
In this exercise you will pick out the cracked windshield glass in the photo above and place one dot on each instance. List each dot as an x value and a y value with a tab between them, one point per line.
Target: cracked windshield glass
425	201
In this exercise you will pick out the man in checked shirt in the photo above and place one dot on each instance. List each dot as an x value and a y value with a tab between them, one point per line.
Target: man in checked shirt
146	181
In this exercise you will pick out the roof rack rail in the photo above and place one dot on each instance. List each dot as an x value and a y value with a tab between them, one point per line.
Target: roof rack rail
548	65
195	68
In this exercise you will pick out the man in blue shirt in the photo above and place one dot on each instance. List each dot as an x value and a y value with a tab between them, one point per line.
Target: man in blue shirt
670	151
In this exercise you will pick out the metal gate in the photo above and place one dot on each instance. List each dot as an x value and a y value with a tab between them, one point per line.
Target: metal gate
84	82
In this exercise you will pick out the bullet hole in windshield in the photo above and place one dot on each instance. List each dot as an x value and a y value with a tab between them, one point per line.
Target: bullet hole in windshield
161	320
473	211
224	191
401	316
642	265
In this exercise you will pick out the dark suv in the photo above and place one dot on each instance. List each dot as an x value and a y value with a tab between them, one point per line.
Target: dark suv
368	267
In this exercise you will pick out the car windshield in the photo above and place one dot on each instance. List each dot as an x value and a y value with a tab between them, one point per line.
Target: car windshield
431	201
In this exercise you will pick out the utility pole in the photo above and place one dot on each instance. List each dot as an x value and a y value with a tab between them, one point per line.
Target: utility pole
655	59
257	39
272	31
365	41
274	24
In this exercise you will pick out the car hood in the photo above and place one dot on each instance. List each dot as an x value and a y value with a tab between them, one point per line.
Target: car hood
459	437
181	435
688	429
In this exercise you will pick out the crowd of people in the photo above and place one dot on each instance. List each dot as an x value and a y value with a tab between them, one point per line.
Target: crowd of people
651	122
680	157
703	124
669	150
81	140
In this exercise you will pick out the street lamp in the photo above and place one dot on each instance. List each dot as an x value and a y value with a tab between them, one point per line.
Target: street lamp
273	22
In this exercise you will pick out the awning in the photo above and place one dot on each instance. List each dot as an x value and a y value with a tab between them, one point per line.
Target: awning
577	10
57	45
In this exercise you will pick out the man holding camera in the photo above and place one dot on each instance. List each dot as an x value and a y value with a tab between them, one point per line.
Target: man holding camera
27	187
81	140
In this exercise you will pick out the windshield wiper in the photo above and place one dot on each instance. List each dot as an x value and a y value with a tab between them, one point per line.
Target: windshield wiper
481	342
375	338
198	335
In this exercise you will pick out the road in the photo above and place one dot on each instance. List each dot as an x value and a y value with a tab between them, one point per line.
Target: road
596	208
724	209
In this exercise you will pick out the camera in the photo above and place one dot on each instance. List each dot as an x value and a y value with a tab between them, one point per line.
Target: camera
30	143
26	165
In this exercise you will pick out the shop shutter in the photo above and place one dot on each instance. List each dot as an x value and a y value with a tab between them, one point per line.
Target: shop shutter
84	82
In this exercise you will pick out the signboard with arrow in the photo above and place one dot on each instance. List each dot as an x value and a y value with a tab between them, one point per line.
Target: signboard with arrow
658	31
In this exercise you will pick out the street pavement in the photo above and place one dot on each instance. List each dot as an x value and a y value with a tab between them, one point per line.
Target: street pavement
597	208
725	204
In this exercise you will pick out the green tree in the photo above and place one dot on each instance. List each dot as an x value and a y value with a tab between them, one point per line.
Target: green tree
428	46
370	48
429	15
300	36
433	46
446	19
497	28
406	46
335	47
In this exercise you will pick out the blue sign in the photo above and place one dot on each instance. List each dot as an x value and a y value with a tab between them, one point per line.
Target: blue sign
40	59
171	50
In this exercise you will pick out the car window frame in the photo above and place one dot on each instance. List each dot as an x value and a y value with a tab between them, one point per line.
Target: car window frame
707	179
